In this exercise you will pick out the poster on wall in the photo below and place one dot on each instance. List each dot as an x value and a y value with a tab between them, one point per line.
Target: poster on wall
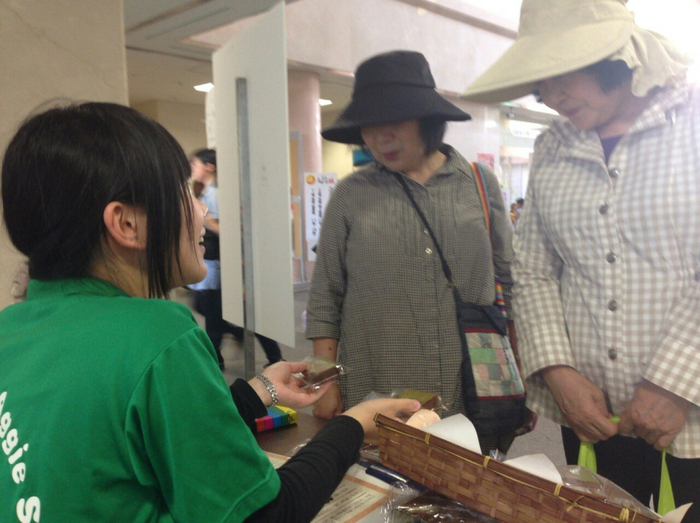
318	188
486	159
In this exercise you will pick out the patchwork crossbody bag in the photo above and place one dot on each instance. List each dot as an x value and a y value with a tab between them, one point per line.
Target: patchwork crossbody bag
492	389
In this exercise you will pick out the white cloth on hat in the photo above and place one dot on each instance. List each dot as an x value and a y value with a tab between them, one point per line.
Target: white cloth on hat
656	61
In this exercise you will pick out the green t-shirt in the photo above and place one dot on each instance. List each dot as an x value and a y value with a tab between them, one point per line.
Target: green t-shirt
113	408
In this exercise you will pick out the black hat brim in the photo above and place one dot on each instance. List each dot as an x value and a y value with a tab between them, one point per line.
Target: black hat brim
385	104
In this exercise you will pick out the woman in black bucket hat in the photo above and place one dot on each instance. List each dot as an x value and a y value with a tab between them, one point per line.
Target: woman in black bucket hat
379	300
391	87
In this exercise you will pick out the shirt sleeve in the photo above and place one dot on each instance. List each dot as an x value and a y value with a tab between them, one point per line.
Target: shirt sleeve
674	363
187	440
327	292
311	476
248	403
539	316
501	237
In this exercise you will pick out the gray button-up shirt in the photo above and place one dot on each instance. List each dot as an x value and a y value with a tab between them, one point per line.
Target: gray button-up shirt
378	285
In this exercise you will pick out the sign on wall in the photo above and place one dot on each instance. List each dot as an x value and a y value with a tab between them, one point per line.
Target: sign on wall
486	159
318	188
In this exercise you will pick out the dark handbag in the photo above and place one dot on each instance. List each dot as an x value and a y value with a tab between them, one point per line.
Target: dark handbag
492	389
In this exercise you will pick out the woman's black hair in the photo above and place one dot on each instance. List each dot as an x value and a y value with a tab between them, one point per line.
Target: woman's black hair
432	133
65	165
608	74
205	156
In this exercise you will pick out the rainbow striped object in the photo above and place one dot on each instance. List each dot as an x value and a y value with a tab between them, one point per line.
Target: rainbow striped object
277	416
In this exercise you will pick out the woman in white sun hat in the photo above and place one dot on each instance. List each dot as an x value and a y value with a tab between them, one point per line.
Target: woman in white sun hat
607	270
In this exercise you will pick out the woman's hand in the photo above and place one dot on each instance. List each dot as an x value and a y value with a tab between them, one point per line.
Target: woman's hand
330	405
364	413
289	389
655	414
581	402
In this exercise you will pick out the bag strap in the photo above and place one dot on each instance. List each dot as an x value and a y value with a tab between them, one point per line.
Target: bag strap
445	266
486	207
481	189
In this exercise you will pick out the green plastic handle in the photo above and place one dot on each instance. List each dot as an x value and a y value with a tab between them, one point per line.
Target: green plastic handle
666	503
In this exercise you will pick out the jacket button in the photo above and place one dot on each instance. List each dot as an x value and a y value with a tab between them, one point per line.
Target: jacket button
614	173
611	257
603	209
428	250
612	305
612	354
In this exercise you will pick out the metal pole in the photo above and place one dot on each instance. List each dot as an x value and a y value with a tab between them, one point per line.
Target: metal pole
302	209
246	226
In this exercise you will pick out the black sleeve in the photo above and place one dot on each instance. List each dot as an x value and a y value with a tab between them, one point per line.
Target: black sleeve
311	476
248	403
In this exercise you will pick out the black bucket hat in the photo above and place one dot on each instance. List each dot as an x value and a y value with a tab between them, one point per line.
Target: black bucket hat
390	88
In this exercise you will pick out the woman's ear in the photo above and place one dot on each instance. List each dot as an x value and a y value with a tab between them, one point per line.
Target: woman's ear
126	225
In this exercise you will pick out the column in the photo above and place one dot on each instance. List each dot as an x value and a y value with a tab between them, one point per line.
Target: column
305	119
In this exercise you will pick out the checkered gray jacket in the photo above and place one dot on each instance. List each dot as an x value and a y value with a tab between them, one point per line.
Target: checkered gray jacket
607	266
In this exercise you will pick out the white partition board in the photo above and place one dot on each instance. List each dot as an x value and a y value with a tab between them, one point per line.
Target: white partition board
258	54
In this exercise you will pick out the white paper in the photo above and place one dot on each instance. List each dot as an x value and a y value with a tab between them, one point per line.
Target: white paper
537	464
676	516
456	429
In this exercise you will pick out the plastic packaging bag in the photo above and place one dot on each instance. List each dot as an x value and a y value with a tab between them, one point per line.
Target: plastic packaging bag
428	400
319	370
399	493
433	507
586	481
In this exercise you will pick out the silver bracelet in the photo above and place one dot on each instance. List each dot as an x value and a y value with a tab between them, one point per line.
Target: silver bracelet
270	388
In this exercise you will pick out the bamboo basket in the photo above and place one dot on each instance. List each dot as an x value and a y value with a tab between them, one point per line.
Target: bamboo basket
502	492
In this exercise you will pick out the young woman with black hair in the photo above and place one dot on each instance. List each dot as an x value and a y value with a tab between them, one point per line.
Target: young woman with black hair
112	405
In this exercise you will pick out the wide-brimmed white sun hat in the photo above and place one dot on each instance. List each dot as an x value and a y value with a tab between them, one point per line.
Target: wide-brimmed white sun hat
556	37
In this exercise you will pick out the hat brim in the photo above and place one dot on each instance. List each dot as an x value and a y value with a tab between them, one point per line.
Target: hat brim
532	59
390	104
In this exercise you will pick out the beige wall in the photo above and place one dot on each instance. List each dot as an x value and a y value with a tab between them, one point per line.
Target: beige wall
184	121
50	49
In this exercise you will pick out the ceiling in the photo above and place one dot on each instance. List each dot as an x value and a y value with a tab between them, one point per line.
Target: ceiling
164	62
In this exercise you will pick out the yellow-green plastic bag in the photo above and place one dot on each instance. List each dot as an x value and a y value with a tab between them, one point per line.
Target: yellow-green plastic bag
665	503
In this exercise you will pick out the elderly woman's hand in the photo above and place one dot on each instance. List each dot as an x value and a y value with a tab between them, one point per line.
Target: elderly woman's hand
581	402
289	389
655	414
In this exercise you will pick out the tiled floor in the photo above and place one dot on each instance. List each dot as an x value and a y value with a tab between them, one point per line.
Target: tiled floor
545	439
